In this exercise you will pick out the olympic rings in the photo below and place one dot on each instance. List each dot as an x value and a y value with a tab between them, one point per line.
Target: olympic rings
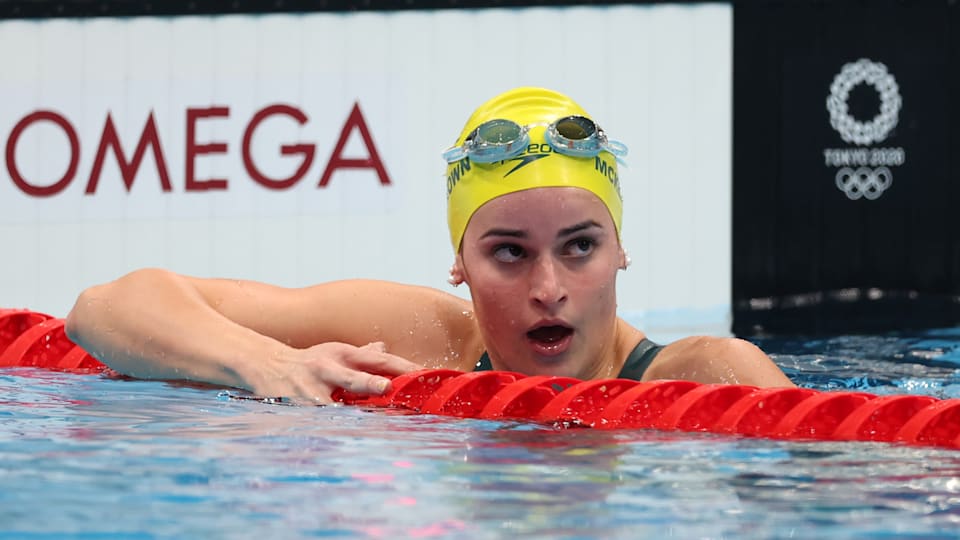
864	182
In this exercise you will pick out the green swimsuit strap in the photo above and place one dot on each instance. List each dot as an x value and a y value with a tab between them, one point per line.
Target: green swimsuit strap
637	362
484	363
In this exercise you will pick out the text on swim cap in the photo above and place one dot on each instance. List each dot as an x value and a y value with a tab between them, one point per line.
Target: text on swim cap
460	168
609	171
537	150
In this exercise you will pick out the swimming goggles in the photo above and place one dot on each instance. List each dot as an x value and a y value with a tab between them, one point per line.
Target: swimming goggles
498	140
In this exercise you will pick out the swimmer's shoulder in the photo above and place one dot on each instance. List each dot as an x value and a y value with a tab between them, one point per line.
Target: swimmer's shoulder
712	359
464	340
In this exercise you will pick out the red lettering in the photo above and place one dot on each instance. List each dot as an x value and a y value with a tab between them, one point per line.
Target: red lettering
337	161
128	170
194	149
306	150
150	140
11	154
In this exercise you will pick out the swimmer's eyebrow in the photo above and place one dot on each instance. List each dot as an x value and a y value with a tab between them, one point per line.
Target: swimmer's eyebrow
515	233
579	227
566	231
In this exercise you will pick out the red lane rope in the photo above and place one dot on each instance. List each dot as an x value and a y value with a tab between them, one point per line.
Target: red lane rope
34	339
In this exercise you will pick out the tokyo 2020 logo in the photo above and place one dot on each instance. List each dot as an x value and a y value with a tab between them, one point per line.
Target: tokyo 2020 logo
875	74
864	172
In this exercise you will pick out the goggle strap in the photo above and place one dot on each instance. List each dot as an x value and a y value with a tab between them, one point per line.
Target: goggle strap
616	148
454	154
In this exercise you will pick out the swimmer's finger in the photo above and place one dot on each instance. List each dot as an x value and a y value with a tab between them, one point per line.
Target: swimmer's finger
359	382
374	358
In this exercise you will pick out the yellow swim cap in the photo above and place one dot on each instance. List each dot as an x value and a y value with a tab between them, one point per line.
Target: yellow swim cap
470	184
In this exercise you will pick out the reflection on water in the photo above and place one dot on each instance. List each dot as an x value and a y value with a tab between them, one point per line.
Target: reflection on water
925	363
91	457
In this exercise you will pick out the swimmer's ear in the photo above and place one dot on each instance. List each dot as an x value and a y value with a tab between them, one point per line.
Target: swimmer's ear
456	272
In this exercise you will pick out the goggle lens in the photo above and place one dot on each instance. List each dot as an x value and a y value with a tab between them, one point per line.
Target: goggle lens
498	132
575	128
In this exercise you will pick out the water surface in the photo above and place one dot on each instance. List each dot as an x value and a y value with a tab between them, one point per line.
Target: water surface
92	457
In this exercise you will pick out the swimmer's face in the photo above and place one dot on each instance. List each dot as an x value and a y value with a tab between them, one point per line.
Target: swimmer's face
541	265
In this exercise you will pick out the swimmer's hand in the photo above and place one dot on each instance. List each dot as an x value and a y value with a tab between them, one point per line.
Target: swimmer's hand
313	375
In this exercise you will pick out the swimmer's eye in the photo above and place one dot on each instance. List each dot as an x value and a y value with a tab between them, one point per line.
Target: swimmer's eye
508	253
580	247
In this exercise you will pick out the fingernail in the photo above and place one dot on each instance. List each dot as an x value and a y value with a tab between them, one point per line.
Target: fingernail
382	385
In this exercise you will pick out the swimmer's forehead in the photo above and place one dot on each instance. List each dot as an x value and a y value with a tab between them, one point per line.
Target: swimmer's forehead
549	197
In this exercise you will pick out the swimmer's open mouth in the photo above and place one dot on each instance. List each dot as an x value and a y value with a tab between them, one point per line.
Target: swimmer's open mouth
549	334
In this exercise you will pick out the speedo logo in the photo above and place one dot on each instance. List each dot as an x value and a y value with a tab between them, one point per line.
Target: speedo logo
523	160
462	167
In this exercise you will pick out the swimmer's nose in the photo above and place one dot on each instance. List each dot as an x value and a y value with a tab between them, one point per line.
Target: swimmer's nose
546	285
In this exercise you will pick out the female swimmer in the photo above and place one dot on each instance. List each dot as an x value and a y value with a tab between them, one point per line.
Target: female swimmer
534	211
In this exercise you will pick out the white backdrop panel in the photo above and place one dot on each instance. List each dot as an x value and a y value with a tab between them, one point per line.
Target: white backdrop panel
656	77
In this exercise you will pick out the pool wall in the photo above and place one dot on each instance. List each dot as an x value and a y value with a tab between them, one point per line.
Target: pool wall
152	141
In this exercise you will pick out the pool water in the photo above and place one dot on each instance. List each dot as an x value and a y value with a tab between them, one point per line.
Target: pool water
89	457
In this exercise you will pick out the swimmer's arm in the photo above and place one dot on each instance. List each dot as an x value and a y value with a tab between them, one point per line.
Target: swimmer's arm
154	324
160	325
717	360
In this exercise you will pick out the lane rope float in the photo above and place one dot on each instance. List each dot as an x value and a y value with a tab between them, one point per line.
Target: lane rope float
32	339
